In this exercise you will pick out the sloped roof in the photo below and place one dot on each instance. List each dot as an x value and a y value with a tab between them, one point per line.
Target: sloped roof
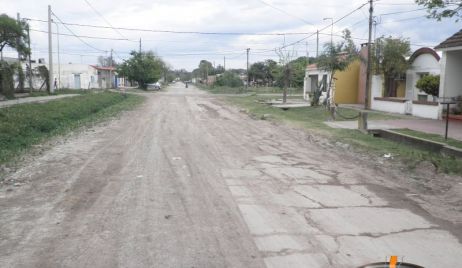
453	41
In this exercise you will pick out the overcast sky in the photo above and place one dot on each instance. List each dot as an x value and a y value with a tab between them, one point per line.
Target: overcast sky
220	16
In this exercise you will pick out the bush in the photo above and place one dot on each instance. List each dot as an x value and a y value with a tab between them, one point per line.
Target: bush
229	79
429	84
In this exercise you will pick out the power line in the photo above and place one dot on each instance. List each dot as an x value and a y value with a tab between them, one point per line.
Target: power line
81	40
401	12
82	36
99	14
335	22
175	32
285	12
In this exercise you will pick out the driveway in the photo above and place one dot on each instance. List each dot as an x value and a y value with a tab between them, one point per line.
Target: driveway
187	181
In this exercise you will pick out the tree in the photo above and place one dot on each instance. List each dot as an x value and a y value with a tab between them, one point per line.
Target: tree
439	9
229	79
13	34
337	57
257	71
298	75
144	68
391	61
284	74
205	69
429	84
105	61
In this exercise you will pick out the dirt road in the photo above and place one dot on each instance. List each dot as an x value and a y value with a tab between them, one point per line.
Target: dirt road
186	181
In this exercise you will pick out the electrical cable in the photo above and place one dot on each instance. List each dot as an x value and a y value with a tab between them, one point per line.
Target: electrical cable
81	40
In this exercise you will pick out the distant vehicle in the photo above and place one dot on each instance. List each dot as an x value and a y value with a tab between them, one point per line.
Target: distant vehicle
154	86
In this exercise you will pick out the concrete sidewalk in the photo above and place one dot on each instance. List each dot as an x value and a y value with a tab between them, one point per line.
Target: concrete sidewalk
422	125
42	99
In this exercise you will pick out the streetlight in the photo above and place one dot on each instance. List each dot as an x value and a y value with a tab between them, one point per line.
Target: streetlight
331	29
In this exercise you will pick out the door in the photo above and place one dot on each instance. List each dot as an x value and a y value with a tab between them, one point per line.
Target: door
77	81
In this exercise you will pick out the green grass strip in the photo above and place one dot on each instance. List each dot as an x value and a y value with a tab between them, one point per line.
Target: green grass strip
24	125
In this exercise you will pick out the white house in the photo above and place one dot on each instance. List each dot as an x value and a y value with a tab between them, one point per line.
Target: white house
423	61
79	76
314	77
409	99
451	67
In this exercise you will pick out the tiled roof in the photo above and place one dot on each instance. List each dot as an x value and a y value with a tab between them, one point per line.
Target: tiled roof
453	41
103	68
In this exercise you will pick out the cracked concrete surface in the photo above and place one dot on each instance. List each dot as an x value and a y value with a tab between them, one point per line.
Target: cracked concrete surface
187	181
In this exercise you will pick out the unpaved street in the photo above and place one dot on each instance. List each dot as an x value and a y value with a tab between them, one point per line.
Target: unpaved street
187	181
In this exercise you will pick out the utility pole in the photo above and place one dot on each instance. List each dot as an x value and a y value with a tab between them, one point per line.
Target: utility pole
224	63
248	77
369	58
50	52
31	86
140	45
18	41
317	43
59	58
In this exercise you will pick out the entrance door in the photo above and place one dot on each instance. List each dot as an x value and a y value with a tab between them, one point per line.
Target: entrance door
77	81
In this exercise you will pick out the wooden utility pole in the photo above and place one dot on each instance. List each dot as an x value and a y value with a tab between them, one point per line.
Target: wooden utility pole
369	58
224	63
50	52
59	59
317	43
140	45
18	41
31	86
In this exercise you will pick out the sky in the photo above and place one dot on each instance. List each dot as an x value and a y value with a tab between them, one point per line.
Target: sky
278	23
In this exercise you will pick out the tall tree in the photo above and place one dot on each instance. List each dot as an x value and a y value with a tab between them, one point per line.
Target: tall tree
205	69
391	61
439	9
144	68
13	34
257	71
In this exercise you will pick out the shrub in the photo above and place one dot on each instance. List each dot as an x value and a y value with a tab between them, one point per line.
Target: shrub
429	84
229	79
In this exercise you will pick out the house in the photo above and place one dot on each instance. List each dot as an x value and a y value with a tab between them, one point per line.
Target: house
451	67
106	76
348	85
405	97
423	61
79	76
